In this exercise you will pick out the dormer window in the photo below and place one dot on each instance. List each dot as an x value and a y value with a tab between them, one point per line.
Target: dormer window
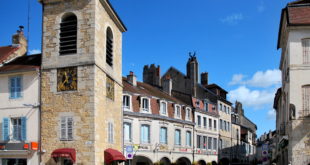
198	103
188	114
163	108
206	106
68	34
109	47
177	111
126	103
145	104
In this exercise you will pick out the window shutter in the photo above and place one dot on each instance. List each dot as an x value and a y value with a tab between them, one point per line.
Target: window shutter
63	128
18	87
24	128
70	128
12	87
6	129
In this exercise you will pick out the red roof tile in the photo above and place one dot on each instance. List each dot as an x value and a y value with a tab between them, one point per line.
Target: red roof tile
148	90
6	51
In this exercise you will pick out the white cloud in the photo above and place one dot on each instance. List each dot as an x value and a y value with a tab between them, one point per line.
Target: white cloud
34	51
271	114
233	19
252	98
259	79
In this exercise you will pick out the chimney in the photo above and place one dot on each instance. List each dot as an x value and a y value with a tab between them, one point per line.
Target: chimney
132	79
204	79
167	85
18	39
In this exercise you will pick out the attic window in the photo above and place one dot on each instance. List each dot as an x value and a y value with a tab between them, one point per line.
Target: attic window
68	34
109	47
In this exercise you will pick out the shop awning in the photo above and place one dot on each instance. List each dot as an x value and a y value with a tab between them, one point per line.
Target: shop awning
65	153
111	155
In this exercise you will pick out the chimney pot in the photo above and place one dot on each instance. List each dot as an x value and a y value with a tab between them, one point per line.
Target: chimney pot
132	79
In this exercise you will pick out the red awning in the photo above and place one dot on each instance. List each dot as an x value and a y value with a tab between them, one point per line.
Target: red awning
64	152
111	155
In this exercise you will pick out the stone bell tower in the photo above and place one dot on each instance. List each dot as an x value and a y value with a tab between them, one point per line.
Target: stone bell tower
81	88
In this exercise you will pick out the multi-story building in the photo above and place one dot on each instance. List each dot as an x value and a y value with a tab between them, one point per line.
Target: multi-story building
206	131
204	101
19	105
247	136
157	126
293	98
235	137
224	107
81	82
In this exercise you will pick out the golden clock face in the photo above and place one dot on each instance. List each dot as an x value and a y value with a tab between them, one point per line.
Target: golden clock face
110	88
67	79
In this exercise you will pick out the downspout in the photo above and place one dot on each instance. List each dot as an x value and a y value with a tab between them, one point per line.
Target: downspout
193	136
40	91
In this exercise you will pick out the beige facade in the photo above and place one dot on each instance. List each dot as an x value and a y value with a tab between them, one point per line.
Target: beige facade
96	118
225	130
292	99
14	109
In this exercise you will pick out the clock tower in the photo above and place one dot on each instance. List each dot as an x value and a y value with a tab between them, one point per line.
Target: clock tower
81	81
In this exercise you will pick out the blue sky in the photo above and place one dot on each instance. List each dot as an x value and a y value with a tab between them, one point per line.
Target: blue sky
235	41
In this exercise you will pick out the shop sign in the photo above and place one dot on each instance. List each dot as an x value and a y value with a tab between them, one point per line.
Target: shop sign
183	149
14	146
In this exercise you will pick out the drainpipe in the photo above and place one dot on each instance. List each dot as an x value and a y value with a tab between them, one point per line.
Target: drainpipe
40	91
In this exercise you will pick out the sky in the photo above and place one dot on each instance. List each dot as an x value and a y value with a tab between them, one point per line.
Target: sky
235	42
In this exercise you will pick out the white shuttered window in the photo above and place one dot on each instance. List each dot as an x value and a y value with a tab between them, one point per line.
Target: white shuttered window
306	51
306	100
66	128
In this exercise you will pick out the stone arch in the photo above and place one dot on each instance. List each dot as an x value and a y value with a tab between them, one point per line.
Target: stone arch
165	161
202	162
183	161
141	160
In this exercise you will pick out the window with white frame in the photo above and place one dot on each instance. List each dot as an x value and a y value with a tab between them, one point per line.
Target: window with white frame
163	135
188	138
66	127
306	50
145	104
228	126
225	127
110	132
177	111
177	137
204	122
221	107
210	124
163	108
127	132
198	141
188	114
145	133
214	125
306	100
199	121
221	124
14	129
214	143
225	109
204	142
228	110
206	105
209	143
126	102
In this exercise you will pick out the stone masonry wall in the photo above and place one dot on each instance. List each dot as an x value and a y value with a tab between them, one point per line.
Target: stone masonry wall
79	104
